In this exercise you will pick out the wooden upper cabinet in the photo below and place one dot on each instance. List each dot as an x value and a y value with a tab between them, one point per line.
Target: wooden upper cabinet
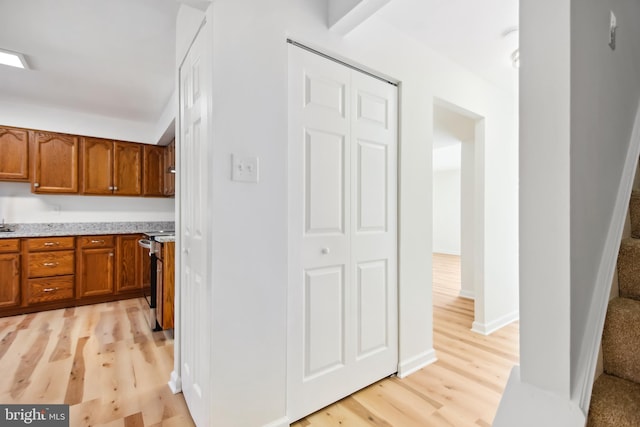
153	181
111	167
14	154
127	169
97	165
55	163
170	165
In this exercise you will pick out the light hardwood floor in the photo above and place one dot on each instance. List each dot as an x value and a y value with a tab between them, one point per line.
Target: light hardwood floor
105	362
463	388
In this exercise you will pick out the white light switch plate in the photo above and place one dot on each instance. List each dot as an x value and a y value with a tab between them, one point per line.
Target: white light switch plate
244	168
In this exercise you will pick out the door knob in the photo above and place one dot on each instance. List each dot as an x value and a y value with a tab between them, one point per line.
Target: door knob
325	251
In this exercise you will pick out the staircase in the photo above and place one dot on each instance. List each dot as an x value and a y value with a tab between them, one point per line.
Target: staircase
615	400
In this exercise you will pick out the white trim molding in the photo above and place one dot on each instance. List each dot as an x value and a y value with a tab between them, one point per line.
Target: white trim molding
467	294
408	367
585	372
281	422
175	383
525	405
494	325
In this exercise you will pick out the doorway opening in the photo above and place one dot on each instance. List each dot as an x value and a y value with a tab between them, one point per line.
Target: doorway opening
458	141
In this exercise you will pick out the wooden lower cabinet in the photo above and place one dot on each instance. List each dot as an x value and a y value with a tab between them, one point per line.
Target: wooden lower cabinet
56	272
9	273
95	266
132	264
165	286
49	289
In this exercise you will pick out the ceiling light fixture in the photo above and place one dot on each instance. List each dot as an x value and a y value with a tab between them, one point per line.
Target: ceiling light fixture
13	59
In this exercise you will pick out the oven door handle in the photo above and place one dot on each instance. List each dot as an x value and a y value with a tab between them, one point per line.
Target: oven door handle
147	244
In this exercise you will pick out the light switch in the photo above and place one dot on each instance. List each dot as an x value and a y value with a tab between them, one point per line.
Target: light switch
244	168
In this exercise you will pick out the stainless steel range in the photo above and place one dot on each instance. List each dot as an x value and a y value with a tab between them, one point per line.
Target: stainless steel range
149	242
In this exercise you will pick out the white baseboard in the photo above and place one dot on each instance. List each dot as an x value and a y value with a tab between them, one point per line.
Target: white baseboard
467	294
494	325
175	383
524	405
408	367
282	422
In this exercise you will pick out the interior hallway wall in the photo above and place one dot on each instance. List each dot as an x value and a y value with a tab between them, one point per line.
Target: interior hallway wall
446	211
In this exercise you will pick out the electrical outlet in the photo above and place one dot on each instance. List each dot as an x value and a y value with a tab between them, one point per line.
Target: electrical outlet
244	169
612	31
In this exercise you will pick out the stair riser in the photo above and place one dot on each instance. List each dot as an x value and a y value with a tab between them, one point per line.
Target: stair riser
621	339
629	269
634	213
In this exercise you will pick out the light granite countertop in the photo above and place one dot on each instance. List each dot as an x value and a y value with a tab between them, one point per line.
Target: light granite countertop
165	239
83	228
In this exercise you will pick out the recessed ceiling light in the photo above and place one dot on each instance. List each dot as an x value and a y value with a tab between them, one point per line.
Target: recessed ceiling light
13	59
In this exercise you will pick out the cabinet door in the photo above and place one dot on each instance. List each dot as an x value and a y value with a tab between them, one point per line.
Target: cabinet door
56	163
9	280
128	264
169	165
14	160
97	162
153	171
95	272
127	169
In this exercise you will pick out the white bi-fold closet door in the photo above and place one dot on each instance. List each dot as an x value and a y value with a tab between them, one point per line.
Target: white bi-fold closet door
343	311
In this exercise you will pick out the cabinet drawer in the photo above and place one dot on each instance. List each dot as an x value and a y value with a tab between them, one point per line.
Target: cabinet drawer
96	242
42	264
50	289
50	243
9	245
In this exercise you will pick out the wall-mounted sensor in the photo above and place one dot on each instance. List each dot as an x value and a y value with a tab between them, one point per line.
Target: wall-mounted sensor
612	31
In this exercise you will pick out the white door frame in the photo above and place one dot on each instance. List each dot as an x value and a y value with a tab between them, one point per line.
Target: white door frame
175	381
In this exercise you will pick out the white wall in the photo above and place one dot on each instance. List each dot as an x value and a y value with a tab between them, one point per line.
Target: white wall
19	205
250	254
578	100
605	90
55	119
446	210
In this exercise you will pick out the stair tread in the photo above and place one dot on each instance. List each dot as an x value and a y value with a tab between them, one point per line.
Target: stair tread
615	402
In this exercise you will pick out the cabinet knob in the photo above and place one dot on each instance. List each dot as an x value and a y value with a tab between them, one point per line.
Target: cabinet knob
49	289
51	243
50	264
97	241
36	185
111	187
111	254
115	188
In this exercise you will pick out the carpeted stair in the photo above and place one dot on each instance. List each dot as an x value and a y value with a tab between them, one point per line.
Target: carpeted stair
615	400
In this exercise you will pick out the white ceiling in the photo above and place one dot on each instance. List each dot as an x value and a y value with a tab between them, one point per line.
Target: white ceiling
108	57
116	57
470	32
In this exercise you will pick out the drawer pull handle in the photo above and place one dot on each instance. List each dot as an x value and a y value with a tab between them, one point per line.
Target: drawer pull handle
97	241
50	289
52	243
50	264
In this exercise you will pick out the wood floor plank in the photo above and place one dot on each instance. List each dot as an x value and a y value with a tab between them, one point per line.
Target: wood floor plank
75	387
